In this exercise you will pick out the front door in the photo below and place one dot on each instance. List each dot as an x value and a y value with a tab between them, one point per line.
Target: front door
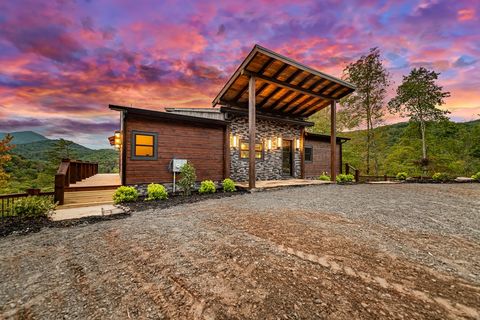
287	157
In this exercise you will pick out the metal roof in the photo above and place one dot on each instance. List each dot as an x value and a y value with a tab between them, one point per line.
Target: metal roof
283	86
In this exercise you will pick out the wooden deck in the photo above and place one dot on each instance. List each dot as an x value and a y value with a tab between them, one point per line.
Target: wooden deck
92	191
271	184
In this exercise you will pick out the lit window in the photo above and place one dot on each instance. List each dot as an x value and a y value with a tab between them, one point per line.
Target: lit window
244	150
144	145
308	153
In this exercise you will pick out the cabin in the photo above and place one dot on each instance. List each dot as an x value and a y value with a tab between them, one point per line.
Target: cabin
255	130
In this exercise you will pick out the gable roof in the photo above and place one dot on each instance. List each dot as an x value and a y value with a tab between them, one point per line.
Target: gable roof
283	86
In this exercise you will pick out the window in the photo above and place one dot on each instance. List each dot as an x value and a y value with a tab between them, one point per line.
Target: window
144	145
308	153
244	150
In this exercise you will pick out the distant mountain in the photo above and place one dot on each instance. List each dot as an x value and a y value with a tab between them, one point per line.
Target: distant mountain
22	137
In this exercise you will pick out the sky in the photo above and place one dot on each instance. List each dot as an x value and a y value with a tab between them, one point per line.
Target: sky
62	62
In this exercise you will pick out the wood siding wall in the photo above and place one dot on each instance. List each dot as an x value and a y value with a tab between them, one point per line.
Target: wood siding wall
200	144
321	158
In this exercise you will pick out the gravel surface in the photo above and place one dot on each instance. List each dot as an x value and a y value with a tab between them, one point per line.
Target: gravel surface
406	251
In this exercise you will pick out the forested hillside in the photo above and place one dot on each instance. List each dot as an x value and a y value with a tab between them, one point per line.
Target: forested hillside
453	148
35	160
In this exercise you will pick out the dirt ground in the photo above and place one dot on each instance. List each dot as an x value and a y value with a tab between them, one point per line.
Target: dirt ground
405	251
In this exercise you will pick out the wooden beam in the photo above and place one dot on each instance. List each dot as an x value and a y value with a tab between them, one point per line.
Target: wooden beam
307	78
303	104
251	131
328	86
276	90
243	110
302	151
286	85
333	141
279	100
261	71
289	105
309	111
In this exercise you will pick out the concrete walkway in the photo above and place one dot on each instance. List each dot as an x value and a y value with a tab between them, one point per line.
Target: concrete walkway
82	212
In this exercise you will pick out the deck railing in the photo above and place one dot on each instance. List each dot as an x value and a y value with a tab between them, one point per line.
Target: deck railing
351	170
7	201
365	178
69	172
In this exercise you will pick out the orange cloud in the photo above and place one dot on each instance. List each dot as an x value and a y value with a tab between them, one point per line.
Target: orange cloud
466	14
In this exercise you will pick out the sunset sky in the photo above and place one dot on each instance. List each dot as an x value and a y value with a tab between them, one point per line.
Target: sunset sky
62	62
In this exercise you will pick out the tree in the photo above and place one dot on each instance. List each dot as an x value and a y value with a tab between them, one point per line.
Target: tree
5	157
366	105
62	149
417	98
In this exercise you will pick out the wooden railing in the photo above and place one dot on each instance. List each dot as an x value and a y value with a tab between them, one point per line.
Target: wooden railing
7	201
69	172
351	170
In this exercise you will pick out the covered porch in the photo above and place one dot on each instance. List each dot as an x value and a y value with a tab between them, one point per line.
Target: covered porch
269	85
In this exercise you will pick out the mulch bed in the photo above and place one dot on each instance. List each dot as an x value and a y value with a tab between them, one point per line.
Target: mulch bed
26	225
175	200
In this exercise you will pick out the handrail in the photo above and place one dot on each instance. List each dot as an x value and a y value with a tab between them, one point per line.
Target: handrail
69	172
356	172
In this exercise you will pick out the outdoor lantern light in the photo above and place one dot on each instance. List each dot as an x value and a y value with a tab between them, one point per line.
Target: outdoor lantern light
234	141
269	144
118	139
297	143
279	142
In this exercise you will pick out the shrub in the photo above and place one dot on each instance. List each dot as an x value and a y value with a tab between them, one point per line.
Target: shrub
343	178
207	186
402	176
476	176
188	177
33	206
156	192
440	177
125	194
228	185
324	177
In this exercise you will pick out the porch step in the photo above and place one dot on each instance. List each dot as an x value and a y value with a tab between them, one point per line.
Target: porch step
76	199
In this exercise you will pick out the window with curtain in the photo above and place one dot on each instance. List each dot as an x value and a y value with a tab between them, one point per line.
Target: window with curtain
144	145
244	152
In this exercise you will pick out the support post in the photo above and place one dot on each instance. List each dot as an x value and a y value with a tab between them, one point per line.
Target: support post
302	151
251	131
333	141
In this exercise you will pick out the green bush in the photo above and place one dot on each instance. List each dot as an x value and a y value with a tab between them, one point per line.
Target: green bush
125	194
228	185
156	192
344	178
324	177
207	186
476	176
440	177
33	206
402	176
188	177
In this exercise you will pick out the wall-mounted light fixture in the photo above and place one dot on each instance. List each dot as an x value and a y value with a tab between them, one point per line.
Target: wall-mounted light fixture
279	142
118	140
297	143
269	144
234	141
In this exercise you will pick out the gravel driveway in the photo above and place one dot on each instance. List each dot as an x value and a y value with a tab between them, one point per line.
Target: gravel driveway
407	251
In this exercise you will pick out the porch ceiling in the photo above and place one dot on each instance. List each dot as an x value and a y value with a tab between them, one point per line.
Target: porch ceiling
283	86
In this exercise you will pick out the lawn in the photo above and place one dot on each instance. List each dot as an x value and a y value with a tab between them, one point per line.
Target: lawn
339	252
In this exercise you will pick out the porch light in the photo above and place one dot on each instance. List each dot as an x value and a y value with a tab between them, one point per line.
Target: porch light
297	143
279	142
118	139
234	141
269	144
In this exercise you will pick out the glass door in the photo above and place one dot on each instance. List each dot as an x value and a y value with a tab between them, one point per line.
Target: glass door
287	157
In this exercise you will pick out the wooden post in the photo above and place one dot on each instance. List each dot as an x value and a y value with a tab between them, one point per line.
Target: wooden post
333	141
251	131
347	168
59	188
357	176
302	151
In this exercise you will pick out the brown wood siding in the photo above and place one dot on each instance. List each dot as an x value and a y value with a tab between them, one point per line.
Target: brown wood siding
202	145
321	158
